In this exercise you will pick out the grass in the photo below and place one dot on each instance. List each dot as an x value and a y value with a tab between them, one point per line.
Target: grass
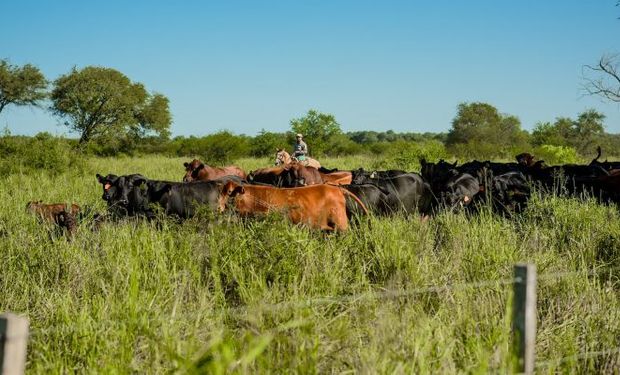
221	295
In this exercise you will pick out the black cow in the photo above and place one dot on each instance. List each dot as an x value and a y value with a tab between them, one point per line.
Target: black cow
118	192
135	195
510	192
459	191
362	174
374	198
407	192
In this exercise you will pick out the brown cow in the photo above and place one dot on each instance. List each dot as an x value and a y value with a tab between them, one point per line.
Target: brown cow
301	175
199	171
56	213
337	178
269	175
291	175
318	206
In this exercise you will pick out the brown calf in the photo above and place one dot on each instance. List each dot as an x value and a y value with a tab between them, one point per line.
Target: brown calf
55	213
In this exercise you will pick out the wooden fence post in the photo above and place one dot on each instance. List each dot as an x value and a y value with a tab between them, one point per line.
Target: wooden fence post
524	317
13	343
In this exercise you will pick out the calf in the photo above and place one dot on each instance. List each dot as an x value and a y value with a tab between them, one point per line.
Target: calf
60	214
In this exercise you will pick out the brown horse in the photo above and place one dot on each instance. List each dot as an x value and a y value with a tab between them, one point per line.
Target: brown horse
199	171
284	158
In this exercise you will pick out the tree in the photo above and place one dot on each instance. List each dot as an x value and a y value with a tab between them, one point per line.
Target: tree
560	133
98	102
604	78
266	143
21	86
317	129
582	134
480	128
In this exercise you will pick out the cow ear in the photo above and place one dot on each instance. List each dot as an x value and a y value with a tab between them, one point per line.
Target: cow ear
100	178
422	162
455	163
138	180
186	165
200	167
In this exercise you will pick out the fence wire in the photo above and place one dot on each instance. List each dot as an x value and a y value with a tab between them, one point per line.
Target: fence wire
243	311
364	296
587	355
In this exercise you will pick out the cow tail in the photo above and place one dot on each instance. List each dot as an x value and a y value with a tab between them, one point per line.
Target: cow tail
346	192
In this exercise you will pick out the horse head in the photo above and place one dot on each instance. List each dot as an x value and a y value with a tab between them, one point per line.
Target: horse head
282	157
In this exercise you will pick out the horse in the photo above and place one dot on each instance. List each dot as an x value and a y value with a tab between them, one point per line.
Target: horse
284	158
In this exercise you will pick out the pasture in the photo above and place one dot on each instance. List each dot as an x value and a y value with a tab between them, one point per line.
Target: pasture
218	294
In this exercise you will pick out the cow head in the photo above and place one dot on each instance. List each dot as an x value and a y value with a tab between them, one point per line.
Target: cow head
109	188
230	190
525	159
359	177
192	170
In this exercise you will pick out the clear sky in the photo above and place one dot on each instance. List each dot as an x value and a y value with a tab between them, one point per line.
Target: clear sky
376	65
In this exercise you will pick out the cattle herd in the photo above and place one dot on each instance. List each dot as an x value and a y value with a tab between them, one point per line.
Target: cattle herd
328	199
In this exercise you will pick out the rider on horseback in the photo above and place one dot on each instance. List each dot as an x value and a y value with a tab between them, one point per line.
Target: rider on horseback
300	148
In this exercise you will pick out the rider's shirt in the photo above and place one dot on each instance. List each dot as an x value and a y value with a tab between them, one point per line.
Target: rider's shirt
300	148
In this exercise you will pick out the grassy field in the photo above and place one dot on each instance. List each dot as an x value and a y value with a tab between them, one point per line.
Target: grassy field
218	295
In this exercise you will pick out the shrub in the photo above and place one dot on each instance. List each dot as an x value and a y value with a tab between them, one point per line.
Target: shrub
557	154
340	144
406	155
42	152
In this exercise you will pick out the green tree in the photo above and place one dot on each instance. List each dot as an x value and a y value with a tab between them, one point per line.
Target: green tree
582	134
589	129
560	133
317	129
266	143
480	129
223	147
98	102
21	86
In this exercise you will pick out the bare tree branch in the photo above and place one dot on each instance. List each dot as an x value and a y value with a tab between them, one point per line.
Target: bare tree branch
603	79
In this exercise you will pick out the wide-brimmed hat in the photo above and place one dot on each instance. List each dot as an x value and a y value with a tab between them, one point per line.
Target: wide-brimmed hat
299	135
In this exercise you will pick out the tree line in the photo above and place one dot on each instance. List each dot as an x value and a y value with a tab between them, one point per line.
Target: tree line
114	115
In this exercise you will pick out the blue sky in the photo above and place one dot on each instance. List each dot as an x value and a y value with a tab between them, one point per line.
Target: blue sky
376	65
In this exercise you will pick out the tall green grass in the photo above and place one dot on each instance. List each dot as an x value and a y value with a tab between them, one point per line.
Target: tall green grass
219	294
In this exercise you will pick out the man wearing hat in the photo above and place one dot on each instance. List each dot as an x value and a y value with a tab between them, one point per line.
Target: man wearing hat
300	149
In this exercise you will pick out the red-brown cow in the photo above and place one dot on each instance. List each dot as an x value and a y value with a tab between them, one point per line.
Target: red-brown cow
318	206
291	175
337	178
199	171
